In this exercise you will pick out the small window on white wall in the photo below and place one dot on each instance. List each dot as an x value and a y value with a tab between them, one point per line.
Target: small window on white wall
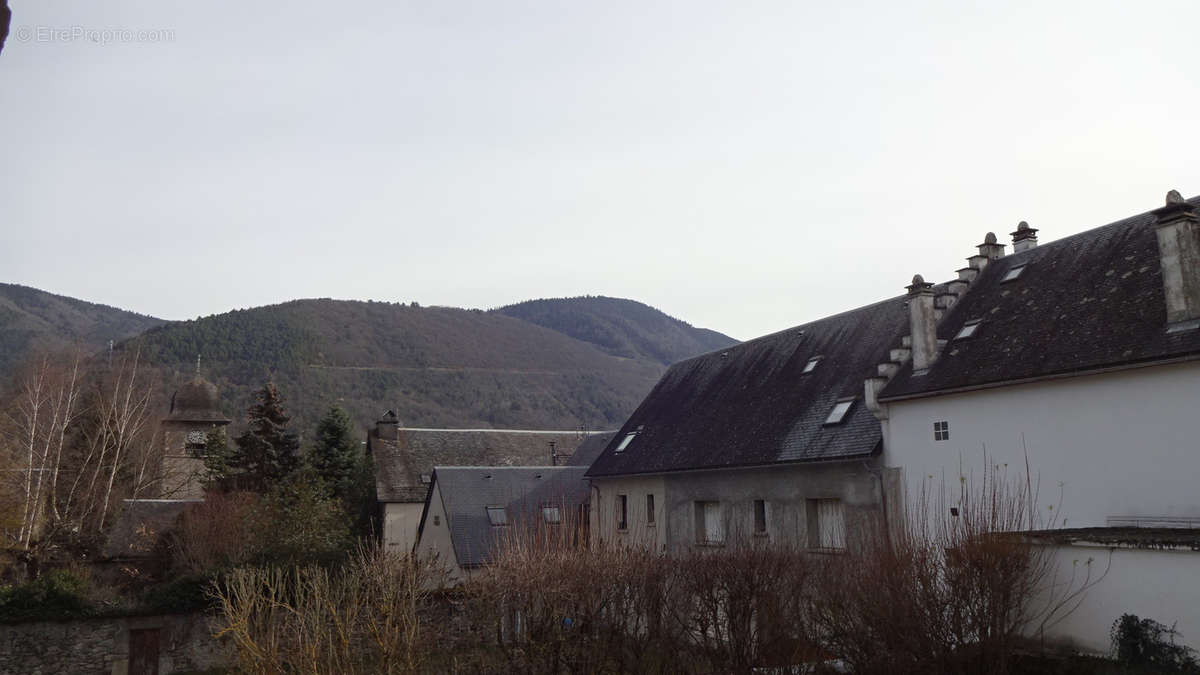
941	431
710	529
826	524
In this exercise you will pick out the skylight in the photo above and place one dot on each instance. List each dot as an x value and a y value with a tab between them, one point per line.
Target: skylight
968	329
811	365
839	411
626	441
497	515
1013	273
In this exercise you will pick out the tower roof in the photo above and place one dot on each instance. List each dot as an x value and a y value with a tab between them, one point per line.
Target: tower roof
197	401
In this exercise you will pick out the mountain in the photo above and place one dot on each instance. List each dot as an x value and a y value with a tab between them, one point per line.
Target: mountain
30	318
436	366
620	327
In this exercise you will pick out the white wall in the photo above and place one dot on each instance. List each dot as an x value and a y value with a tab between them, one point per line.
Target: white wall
1152	584
435	539
1115	444
400	523
603	512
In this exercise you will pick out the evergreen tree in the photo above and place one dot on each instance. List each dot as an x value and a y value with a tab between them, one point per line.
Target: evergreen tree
335	455
266	452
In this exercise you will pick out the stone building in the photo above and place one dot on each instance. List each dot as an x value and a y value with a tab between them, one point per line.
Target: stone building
195	411
404	460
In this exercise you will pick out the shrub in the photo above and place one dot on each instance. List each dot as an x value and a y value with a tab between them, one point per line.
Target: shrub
55	595
1147	643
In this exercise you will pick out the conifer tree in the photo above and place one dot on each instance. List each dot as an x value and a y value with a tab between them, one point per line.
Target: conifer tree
335	455
266	452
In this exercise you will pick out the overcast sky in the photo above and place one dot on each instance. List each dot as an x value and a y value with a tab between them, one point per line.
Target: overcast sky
744	166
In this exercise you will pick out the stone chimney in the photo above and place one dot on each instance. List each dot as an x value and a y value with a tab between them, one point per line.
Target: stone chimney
1024	238
388	426
922	322
1178	228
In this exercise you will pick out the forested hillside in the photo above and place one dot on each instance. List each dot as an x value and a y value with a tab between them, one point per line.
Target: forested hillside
621	327
436	366
30	318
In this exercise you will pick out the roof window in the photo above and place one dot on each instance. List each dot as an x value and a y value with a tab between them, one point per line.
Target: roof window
838	414
497	516
1013	273
811	365
968	329
626	441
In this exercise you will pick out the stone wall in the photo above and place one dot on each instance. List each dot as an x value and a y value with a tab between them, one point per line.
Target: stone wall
101	646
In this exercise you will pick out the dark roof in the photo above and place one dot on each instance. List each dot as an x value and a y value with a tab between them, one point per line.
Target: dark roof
196	401
140	526
1093	300
467	492
751	405
400	463
590	449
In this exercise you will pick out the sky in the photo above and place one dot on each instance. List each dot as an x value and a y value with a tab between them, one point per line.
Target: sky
744	166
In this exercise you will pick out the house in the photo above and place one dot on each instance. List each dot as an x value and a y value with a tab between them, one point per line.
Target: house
1081	360
769	440
405	458
470	511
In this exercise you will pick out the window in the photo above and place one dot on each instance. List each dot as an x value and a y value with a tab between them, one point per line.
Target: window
710	529
968	329
1013	273
941	431
626	441
760	516
839	411
650	509
551	515
497	516
425	479
622	512
811	365
826	524
196	440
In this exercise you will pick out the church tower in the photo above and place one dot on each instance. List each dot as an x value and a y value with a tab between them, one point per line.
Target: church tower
195	411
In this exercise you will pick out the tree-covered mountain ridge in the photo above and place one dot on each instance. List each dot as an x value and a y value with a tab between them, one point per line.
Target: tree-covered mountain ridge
576	362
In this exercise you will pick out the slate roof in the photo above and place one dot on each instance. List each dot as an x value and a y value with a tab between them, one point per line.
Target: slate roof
1089	301
140	526
196	401
590	449
466	493
751	404
400	463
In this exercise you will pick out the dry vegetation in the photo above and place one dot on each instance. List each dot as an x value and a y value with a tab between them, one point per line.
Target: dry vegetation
949	596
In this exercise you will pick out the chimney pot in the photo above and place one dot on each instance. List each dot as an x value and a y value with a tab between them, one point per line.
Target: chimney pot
990	249
1024	238
1177	225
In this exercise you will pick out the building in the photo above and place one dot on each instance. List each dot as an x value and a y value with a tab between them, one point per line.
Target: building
405	458
1081	360
470	511
769	440
195	411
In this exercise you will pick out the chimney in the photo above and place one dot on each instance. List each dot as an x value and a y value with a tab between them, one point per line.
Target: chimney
1178	228
1024	238
922	323
388	426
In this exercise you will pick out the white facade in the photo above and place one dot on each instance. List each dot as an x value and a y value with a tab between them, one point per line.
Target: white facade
400	523
1116	449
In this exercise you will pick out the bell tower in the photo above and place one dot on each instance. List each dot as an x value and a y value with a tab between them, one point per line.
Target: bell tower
195	411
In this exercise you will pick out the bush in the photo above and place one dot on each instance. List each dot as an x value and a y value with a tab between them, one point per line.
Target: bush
1147	643
189	593
56	595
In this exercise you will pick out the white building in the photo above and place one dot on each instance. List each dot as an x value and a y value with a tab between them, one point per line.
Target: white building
1081	358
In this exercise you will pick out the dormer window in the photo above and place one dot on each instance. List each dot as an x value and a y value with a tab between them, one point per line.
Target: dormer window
968	329
497	516
838	414
626	441
1013	274
811	365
